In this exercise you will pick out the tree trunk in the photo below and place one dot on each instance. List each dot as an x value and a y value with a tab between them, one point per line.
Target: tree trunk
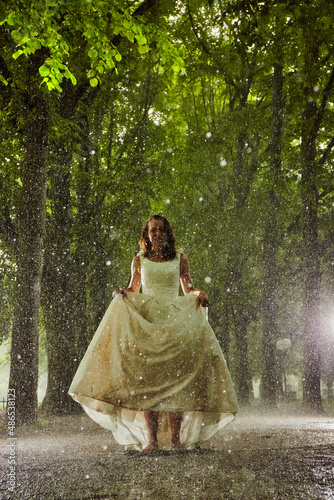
269	310
241	191
57	296
98	299
312	277
270	247
24	352
84	241
329	383
242	375
58	288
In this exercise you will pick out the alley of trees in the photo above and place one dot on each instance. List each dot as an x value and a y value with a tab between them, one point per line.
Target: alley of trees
217	114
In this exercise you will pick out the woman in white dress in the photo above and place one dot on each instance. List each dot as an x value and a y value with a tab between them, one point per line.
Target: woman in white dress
154	373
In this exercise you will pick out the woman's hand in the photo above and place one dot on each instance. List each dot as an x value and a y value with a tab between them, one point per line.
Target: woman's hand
202	299
121	291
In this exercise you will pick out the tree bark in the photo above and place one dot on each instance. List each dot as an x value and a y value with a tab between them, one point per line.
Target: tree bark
312	276
57	296
270	247
82	251
242	375
58	287
241	191
311	120
24	351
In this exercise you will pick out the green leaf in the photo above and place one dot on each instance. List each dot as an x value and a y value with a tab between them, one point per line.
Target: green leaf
10	20
110	63
118	57
2	79
16	35
93	53
17	54
94	82
143	49
141	40
69	75
44	71
36	44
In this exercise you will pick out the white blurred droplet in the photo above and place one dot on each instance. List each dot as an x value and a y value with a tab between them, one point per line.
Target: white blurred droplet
207	279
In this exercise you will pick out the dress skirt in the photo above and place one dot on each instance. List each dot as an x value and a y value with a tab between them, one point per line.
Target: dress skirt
155	355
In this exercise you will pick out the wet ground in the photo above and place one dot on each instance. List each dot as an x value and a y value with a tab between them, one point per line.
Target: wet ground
259	456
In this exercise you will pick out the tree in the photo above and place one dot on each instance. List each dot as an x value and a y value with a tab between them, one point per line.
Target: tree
31	228
49	35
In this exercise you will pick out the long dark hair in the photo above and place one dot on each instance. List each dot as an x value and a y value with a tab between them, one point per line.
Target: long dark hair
168	251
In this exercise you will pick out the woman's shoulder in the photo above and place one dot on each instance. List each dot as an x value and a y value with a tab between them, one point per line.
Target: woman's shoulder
180	253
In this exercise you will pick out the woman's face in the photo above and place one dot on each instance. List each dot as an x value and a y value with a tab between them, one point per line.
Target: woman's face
157	233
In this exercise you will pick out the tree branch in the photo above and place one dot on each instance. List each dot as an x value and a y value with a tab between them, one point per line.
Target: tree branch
200	42
144	7
327	152
325	96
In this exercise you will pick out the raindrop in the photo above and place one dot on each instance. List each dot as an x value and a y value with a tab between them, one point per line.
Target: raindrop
108	263
222	162
200	198
208	135
207	279
168	202
316	88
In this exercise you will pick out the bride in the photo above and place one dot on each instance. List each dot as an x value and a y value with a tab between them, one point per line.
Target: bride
154	373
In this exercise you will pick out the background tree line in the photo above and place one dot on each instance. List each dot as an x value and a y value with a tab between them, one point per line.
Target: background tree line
217	115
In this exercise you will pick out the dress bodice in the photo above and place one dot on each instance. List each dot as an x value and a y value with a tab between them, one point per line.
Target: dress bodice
161	280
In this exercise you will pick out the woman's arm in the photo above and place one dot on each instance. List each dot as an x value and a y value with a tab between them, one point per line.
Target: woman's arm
187	285
134	285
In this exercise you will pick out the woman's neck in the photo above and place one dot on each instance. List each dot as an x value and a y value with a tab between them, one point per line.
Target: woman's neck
155	255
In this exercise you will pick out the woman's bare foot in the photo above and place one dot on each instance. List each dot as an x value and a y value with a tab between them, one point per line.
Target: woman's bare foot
151	447
176	446
151	418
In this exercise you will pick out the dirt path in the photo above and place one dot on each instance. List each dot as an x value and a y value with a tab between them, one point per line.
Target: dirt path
256	457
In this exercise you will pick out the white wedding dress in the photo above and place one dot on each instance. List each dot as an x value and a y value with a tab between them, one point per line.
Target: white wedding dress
155	351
